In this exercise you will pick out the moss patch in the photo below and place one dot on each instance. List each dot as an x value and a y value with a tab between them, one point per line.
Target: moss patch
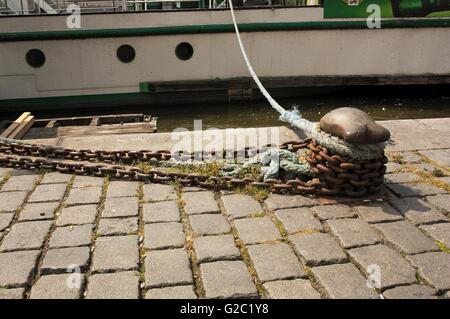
258	192
395	157
426	177
443	247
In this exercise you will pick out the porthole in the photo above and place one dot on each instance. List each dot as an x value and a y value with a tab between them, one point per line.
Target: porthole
126	53
35	58
184	51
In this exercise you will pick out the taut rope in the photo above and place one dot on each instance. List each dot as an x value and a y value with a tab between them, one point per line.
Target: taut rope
333	143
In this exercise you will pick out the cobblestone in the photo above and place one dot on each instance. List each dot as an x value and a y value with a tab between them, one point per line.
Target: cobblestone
426	167
275	262
353	232
87	181
177	292
5	220
411	158
121	207
117	226
16	268
119	285
378	213
407	190
343	281
434	267
240	206
291	289
410	292
11	201
56	287
298	220
445	179
71	236
56	178
395	270
209	224
87	195
20	183
161	212
442	156
16	293
121	189
27	235
406	238
213	248
167	268
116	253
200	203
442	202
401	178
227	279
21	172
439	232
159	192
417	211
38	211
411	228
77	215
48	193
5	171
333	211
392	167
318	249
276	201
256	230
164	235
59	260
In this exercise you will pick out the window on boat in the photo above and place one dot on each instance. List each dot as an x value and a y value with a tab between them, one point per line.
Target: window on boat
184	51
35	58
126	53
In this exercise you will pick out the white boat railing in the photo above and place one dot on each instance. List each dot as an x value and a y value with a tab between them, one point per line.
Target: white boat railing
27	7
90	5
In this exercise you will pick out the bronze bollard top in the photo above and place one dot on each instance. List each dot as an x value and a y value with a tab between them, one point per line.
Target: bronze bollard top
354	126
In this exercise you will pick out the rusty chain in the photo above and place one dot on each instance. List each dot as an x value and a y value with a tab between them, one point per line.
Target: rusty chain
334	175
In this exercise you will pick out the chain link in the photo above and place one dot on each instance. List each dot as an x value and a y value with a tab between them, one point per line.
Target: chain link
335	176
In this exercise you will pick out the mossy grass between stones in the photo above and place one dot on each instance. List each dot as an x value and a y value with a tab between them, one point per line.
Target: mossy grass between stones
443	247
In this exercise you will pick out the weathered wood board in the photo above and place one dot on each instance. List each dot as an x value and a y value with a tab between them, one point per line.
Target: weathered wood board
128	128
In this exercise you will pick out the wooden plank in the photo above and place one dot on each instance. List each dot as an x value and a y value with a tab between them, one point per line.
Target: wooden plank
72	131
23	127
93	120
50	124
15	124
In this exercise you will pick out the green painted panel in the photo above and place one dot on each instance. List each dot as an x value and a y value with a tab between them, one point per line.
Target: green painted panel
388	8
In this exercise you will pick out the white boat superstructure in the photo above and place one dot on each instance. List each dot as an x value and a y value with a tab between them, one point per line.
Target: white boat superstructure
171	56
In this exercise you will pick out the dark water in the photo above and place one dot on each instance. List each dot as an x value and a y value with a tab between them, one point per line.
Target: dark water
382	103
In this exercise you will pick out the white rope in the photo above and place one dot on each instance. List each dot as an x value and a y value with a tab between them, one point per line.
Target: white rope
263	90
335	144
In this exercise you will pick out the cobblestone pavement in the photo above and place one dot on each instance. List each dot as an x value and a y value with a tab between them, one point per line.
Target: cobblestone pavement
130	240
